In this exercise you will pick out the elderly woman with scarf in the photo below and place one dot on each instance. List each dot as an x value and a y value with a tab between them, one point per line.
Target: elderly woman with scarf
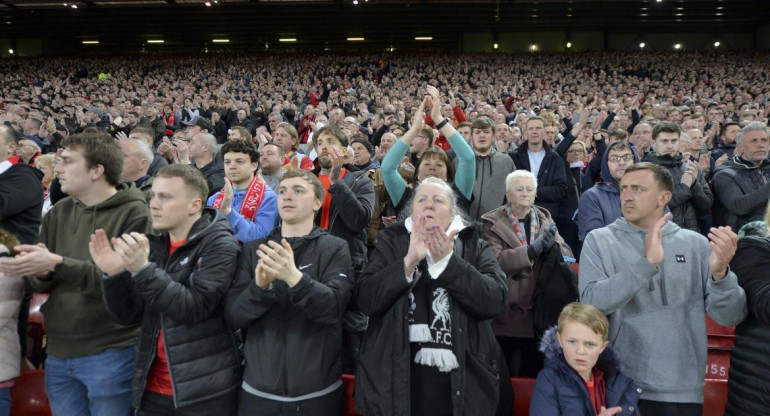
519	232
430	289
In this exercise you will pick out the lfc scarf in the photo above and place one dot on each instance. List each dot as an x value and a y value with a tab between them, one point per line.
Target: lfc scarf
534	224
251	201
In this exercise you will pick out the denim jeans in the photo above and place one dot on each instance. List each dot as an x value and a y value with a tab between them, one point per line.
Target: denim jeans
5	401
94	385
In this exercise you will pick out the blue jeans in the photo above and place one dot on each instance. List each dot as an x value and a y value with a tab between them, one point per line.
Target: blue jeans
5	401
94	385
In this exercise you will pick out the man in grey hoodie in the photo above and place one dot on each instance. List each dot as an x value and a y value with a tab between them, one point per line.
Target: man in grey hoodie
654	280
492	167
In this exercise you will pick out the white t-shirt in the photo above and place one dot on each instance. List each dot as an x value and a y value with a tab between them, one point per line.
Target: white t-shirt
535	160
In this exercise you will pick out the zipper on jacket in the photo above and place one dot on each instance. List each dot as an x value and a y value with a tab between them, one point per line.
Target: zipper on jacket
663	296
481	192
168	363
147	366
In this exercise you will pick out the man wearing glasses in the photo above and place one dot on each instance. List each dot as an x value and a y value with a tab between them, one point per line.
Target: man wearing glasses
600	204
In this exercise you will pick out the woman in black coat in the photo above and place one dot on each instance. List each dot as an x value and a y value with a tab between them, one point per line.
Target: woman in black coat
749	365
430	289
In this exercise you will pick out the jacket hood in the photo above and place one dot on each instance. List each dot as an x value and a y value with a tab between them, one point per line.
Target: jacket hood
127	192
606	176
664	160
754	229
739	163
550	347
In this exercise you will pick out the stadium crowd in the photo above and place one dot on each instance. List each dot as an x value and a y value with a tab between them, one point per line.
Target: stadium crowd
223	233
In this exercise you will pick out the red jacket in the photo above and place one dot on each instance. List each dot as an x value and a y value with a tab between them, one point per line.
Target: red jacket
441	141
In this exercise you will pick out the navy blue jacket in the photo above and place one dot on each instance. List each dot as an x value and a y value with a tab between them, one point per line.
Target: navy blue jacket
600	205
559	390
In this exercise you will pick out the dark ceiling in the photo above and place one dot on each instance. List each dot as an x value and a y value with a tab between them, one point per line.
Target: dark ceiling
252	23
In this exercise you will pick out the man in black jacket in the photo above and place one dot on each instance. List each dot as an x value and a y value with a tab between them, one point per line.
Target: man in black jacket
536	156
290	295
21	193
174	284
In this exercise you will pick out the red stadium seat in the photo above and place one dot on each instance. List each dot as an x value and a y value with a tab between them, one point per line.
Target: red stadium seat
522	390
714	397
28	396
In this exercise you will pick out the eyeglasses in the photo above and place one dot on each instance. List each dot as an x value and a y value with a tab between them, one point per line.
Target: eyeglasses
616	158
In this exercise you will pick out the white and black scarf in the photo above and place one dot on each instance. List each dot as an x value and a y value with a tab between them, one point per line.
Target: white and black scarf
430	316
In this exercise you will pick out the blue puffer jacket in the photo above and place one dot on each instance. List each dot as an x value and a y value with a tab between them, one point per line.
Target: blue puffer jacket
559	390
599	205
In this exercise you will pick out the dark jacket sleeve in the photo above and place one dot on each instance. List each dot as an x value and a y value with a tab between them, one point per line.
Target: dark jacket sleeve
635	119
323	301
17	194
246	302
751	263
354	205
556	189
122	300
733	197
566	142
479	288
384	280
211	278
702	197
545	401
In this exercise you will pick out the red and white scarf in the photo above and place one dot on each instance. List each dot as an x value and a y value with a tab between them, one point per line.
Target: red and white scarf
251	201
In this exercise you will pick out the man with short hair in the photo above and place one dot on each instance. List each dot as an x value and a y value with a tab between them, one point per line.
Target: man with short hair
137	156
492	167
599	205
145	134
246	201
743	182
290	295
641	137
536	156
691	196
243	121
173	284
239	133
201	151
271	164
219	126
27	151
422	142
90	358
655	281
728	135
21	192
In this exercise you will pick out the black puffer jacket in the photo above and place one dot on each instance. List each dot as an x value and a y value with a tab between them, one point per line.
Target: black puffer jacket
687	204
294	334
182	294
743	189
477	294
749	367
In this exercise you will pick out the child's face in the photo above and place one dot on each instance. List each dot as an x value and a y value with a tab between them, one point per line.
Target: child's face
581	346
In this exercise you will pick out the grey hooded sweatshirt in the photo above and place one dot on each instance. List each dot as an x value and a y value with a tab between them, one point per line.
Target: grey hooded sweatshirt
656	314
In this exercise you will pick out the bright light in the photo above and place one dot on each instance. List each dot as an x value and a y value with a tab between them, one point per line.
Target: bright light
678	46
355	1
155	41
10	51
287	40
90	42
208	4
423	38
642	45
494	46
716	44
220	40
569	44
74	6
659	1
355	39
533	47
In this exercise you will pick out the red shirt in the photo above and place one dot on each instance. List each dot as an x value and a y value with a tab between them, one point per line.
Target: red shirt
159	379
